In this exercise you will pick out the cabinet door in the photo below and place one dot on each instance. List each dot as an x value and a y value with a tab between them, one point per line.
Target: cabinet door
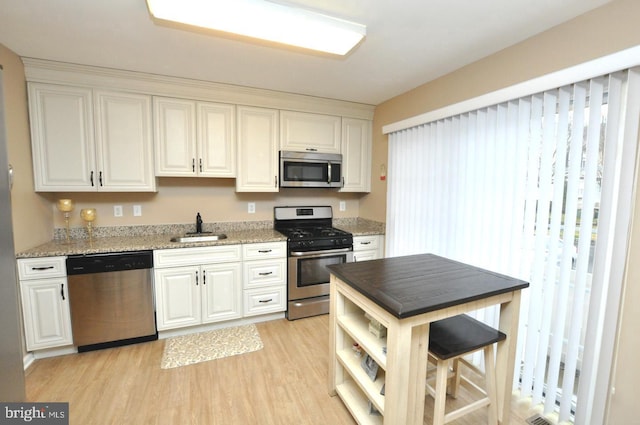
257	150
216	140
177	297
123	141
364	256
221	292
62	138
174	136
368	247
356	155
300	131
47	320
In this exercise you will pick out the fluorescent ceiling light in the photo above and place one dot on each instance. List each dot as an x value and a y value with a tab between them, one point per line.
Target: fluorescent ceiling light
264	20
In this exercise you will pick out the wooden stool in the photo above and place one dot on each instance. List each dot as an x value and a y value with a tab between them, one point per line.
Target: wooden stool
449	340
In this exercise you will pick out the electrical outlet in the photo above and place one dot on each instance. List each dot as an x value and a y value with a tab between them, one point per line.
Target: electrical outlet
117	210
137	210
343	206
251	207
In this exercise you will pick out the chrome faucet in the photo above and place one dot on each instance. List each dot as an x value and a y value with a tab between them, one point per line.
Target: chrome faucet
198	223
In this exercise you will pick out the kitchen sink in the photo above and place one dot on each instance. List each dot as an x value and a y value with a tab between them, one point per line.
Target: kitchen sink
199	237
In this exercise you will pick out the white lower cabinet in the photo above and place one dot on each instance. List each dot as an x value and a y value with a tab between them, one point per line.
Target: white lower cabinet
197	285
367	247
45	302
264	277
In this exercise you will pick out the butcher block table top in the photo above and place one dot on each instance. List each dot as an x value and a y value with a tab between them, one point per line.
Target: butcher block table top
416	284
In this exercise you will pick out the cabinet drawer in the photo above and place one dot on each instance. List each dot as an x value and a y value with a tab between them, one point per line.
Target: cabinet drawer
264	300
42	268
365	242
260	251
195	256
264	273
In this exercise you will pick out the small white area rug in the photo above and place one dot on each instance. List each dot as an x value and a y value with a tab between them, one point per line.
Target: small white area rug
201	347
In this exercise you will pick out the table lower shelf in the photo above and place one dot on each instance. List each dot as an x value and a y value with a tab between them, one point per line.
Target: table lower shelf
357	403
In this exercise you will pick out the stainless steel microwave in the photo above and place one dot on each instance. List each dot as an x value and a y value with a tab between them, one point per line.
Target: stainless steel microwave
310	169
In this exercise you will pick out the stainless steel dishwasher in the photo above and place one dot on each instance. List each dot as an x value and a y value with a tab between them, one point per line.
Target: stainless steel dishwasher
111	299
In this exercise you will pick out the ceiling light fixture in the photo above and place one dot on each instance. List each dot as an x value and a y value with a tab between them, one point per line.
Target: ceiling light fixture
264	20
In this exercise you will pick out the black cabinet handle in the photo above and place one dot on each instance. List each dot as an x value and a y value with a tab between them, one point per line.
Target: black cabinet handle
42	268
266	301
100	178
265	273
91	177
62	291
196	278
204	277
312	149
264	251
200	164
193	165
365	243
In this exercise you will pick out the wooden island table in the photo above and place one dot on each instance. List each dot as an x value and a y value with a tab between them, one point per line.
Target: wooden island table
405	294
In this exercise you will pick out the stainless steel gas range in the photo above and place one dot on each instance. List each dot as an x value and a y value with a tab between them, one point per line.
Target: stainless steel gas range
312	244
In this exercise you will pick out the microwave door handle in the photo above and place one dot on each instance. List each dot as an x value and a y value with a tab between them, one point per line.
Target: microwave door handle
329	173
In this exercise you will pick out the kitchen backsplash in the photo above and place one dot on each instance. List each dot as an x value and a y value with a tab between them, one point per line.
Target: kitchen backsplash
177	229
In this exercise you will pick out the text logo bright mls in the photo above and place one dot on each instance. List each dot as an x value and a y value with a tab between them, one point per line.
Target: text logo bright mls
34	413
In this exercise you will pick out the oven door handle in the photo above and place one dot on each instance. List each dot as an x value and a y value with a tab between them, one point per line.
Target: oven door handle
324	253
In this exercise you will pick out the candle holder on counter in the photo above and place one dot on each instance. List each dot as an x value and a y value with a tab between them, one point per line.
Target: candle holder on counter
66	206
89	215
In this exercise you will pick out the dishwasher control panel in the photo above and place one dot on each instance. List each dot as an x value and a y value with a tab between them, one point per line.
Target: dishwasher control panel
109	262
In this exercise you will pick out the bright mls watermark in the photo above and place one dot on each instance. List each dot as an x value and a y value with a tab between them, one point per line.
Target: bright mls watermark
34	413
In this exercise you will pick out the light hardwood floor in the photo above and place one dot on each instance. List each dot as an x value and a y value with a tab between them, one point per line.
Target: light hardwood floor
284	383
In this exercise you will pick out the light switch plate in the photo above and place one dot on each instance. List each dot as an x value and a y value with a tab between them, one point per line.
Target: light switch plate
251	207
117	211
343	206
137	210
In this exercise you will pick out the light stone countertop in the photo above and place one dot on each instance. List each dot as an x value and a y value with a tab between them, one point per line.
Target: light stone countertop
137	238
360	226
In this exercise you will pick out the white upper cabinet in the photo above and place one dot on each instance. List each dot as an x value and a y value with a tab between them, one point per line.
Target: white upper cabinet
216	140
174	136
304	132
356	155
194	138
90	140
257	150
124	143
62	137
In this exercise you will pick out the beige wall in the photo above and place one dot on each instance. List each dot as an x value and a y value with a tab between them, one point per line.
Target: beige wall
606	30
179	199
32	215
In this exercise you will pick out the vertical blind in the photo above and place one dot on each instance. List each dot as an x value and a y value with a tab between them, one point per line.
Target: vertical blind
517	188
